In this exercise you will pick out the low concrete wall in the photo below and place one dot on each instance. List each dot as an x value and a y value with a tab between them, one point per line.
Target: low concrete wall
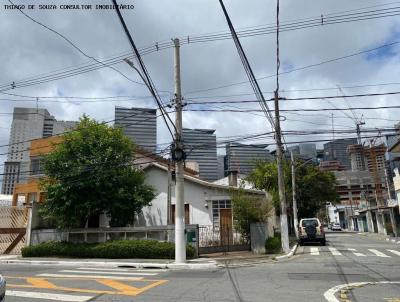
39	236
97	235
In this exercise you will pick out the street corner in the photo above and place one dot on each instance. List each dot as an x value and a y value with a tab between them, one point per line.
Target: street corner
365	291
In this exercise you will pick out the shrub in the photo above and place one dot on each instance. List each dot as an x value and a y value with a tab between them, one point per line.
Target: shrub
273	245
144	249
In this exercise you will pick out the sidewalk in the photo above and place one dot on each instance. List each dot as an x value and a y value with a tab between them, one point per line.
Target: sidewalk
209	261
241	258
199	263
381	237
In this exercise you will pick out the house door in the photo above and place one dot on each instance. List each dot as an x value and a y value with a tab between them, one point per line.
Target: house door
226	226
187	216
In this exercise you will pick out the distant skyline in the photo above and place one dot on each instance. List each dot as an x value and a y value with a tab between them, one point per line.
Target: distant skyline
29	51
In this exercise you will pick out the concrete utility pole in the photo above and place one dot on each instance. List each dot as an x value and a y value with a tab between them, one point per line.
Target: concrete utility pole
281	183
180	242
295	219
169	193
279	149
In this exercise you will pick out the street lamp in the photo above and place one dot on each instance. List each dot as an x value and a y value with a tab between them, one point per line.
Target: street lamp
295	219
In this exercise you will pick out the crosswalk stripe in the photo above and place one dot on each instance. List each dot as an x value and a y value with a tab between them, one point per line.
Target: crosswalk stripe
108	272
394	252
47	296
121	269
334	251
355	253
91	277
378	253
314	251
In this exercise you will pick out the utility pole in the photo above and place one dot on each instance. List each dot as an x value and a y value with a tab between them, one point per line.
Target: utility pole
295	219
169	191
180	242
281	183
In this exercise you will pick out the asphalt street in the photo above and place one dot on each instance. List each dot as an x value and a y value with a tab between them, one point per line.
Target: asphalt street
351	267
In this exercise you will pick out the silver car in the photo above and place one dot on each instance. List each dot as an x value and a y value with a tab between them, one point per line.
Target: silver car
2	289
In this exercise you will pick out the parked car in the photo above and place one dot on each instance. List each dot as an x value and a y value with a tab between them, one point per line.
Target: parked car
311	230
2	289
336	227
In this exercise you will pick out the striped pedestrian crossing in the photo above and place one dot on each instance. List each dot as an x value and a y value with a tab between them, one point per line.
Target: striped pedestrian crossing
355	253
333	251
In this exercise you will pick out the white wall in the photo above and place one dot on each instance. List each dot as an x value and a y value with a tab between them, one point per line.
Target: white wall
196	195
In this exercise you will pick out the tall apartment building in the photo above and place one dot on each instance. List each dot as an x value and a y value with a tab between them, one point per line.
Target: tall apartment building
27	124
242	158
337	150
139	124
201	147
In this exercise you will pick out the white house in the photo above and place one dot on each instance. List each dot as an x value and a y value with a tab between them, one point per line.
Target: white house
206	203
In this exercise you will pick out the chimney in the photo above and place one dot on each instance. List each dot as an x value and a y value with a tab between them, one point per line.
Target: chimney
233	178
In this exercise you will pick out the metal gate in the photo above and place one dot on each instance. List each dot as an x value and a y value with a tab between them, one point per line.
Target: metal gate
220	239
13	223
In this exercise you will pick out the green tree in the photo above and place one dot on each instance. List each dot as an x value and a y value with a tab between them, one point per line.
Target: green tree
90	172
248	209
313	187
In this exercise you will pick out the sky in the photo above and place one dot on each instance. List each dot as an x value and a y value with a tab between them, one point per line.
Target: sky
29	51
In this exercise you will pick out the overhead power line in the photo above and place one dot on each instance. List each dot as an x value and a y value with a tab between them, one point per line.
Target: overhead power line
300	68
158	46
296	99
74	45
144	73
249	72
295	110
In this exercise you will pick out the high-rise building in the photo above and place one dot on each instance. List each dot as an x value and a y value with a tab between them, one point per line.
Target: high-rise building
308	150
242	158
139	124
337	150
201	147
27	124
304	151
221	166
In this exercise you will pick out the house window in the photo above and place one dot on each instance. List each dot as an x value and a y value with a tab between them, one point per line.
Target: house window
216	206
36	166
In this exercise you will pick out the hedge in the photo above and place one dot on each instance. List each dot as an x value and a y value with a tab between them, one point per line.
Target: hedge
273	245
141	249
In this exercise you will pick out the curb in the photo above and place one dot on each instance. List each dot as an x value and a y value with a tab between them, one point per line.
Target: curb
381	237
288	255
112	264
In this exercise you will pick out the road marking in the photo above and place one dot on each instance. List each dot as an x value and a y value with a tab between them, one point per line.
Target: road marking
314	251
378	253
121	269
107	272
40	283
394	252
355	253
128	290
47	296
122	288
334	251
329	295
91	277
